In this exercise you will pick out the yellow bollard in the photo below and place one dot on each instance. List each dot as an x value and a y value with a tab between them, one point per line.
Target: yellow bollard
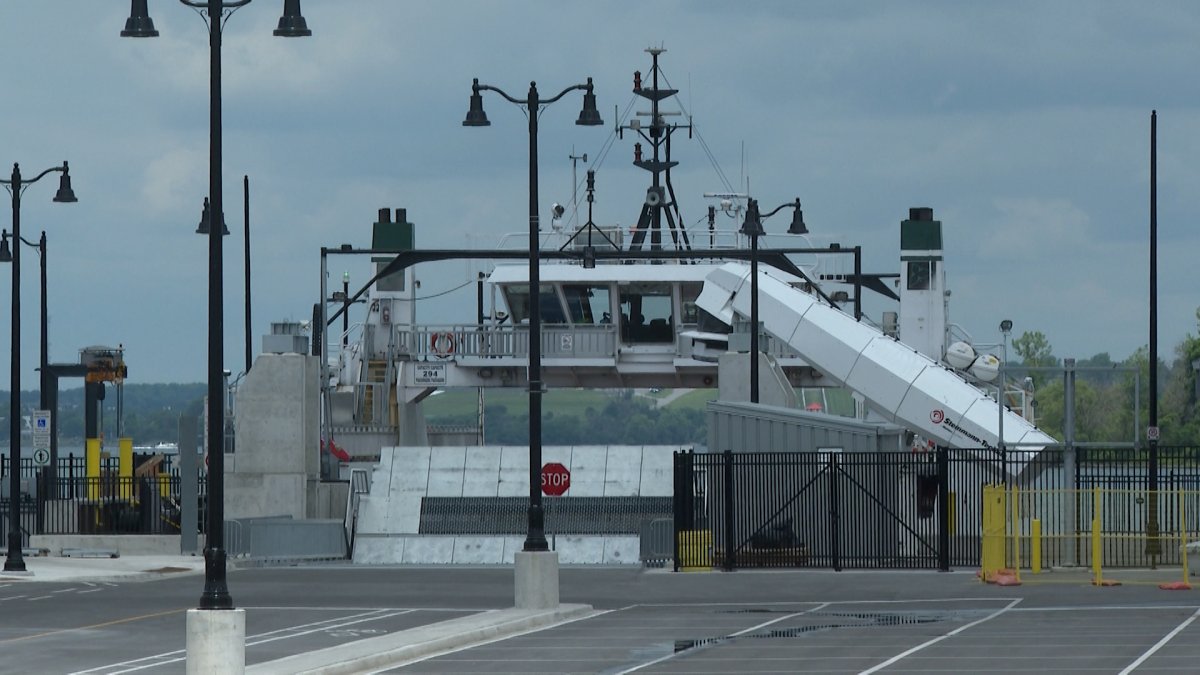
1181	496
1035	545
695	550
1016	534
92	466
992	558
125	467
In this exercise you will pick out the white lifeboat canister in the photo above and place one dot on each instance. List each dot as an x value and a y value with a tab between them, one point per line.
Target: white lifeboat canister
986	367
960	355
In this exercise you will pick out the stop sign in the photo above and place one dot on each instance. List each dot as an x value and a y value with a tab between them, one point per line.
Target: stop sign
556	479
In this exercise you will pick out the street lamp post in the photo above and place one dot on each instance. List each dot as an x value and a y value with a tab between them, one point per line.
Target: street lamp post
291	24
752	228
535	539
43	358
1005	329
16	185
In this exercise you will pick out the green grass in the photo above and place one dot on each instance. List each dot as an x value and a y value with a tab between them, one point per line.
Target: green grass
695	399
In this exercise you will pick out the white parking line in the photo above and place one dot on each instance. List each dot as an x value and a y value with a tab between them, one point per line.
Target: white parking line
1159	645
760	626
251	640
938	639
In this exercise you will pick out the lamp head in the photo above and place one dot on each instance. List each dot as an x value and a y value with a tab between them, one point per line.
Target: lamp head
5	251
139	24
206	218
589	116
752	225
797	226
475	115
292	23
65	194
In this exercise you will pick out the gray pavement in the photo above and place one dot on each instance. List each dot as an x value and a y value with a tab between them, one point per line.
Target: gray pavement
127	615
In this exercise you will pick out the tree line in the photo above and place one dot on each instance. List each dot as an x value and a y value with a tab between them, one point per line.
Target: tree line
1109	393
623	420
151	411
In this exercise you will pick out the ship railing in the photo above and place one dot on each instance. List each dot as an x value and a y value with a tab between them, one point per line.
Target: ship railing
436	343
559	341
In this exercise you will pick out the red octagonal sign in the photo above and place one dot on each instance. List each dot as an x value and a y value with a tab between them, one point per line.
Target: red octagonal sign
556	479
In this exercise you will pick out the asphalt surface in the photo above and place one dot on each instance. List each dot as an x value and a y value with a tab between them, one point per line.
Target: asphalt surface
646	621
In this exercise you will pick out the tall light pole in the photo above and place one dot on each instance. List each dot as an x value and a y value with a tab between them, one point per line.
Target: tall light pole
535	539
43	358
752	228
291	24
1153	546
1005	329
16	185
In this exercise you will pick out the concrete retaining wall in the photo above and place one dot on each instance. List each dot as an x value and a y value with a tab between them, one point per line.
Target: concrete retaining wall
417	549
124	544
390	515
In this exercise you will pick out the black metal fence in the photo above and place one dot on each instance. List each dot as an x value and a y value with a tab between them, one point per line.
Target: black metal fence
563	515
71	502
904	510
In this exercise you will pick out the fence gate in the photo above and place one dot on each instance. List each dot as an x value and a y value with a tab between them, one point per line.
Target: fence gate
818	509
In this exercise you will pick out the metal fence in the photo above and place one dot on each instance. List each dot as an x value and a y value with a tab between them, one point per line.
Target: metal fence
68	501
904	510
563	515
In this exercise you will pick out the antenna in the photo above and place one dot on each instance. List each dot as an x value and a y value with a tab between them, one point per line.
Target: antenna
575	184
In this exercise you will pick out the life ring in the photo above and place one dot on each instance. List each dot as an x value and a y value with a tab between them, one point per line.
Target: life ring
442	344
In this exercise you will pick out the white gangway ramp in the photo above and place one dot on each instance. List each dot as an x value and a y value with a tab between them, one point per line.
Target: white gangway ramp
897	381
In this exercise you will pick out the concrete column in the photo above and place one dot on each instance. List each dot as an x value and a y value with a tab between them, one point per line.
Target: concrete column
216	641
536	580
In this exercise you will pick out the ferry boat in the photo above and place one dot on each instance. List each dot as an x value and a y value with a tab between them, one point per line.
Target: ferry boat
658	305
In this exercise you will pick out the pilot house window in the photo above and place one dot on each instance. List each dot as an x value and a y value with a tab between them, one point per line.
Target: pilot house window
646	313
517	298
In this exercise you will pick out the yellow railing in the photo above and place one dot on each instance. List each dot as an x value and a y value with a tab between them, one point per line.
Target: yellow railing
1096	529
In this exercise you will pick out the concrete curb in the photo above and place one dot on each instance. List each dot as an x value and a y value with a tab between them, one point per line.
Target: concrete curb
390	651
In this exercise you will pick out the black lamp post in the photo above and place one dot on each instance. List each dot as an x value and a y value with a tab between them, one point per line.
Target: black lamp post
44	358
535	539
16	185
291	24
752	227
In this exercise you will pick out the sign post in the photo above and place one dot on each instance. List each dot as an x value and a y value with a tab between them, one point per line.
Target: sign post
556	479
41	437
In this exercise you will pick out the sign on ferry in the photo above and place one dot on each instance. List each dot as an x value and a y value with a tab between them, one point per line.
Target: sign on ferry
430	373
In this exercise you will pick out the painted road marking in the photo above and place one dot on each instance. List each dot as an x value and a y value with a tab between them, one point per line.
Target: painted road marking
1159	645
760	626
178	655
923	645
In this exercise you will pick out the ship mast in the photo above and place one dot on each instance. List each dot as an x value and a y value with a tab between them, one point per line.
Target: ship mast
660	203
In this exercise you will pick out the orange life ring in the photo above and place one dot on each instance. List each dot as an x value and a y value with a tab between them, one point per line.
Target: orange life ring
442	344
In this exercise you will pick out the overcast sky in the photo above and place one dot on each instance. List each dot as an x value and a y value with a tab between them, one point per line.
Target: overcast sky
1024	125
